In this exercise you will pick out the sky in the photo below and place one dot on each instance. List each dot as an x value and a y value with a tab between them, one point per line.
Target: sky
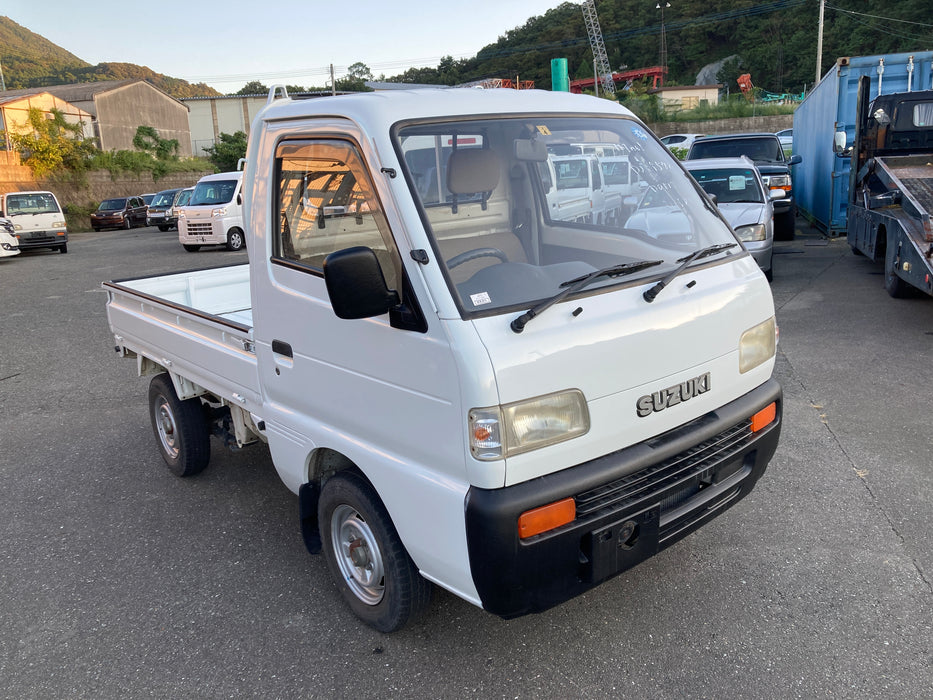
228	43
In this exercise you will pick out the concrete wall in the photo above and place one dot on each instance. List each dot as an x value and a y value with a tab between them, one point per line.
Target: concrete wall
209	117
739	125
121	111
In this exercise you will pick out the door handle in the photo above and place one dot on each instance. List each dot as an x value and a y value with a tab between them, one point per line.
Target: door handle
280	347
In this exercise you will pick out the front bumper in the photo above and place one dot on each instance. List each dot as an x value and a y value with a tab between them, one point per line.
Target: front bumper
41	239
630	505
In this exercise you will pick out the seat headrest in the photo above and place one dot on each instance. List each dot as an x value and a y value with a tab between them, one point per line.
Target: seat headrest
472	170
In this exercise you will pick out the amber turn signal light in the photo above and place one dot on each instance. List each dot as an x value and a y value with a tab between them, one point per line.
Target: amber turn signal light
764	417
538	520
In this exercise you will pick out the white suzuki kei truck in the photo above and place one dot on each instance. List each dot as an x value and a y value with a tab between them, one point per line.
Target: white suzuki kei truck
461	390
213	214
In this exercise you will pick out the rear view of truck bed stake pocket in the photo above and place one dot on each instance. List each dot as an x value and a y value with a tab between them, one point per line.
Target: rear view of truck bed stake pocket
510	355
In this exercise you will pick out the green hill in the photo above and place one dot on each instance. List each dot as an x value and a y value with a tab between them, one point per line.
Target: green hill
30	60
774	40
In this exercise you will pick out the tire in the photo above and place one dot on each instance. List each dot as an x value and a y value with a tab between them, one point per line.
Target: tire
96	229
894	285
784	226
192	248
163	228
127	224
235	240
180	428
368	561
63	248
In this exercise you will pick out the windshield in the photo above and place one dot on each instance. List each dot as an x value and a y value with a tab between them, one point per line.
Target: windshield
183	198
39	203
163	199
112	204
765	149
514	210
731	185
213	192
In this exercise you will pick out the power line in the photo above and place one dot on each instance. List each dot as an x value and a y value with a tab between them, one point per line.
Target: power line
887	19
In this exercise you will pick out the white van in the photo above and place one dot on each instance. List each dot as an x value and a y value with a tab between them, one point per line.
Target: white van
214	214
37	217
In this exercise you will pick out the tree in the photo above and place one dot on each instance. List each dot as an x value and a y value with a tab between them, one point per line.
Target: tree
355	81
51	143
147	139
253	87
226	153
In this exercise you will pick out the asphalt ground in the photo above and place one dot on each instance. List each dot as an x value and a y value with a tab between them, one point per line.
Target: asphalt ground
118	580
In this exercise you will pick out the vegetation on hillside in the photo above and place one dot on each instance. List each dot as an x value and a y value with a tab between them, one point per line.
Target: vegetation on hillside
30	60
774	41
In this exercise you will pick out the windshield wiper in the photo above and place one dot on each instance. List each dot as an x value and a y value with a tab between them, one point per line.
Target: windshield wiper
650	294
576	284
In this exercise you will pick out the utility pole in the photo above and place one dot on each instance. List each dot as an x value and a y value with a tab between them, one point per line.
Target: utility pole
661	6
333	81
819	46
2	81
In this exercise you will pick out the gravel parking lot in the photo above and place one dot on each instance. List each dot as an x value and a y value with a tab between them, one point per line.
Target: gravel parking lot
120	580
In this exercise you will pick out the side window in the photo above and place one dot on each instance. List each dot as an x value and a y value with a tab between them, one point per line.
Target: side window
326	202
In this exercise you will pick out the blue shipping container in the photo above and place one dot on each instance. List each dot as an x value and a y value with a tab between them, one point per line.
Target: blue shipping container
821	181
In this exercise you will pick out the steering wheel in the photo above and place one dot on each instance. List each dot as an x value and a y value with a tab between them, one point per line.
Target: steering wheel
475	254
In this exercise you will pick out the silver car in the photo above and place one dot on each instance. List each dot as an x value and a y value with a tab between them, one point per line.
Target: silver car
740	194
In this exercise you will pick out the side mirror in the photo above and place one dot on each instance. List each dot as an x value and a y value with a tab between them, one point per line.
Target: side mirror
776	194
239	198
714	198
795	159
839	142
356	285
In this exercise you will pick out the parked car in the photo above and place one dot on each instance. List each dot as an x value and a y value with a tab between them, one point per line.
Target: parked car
680	140
147	198
9	246
766	152
119	212
37	218
744	202
161	211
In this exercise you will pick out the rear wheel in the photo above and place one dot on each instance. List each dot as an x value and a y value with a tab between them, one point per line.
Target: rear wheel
192	248
180	428
163	227
366	557
894	285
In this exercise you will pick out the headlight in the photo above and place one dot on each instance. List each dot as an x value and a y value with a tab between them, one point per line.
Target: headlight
504	431
181	213
751	233
58	224
757	345
779	181
217	213
17	227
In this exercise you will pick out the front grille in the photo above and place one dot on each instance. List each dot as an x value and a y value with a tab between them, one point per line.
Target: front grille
199	229
671	482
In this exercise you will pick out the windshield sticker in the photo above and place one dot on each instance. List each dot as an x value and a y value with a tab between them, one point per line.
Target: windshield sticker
736	182
543	130
639	133
480	299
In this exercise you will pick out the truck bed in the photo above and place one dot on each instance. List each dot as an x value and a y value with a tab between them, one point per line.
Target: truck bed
196	325
913	176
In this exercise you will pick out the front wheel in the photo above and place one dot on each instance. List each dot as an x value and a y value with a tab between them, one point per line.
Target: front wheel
63	248
235	240
163	227
784	226
180	428
192	248
366	557
127	224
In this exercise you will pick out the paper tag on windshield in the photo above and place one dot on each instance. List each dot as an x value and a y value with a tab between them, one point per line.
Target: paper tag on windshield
480	299
736	182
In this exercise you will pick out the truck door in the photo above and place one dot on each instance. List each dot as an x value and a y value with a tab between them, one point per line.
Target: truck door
386	397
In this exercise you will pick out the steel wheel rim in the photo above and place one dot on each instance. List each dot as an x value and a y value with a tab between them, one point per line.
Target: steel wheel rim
358	555
165	425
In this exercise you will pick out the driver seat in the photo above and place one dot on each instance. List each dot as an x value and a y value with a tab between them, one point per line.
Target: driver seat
477	222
